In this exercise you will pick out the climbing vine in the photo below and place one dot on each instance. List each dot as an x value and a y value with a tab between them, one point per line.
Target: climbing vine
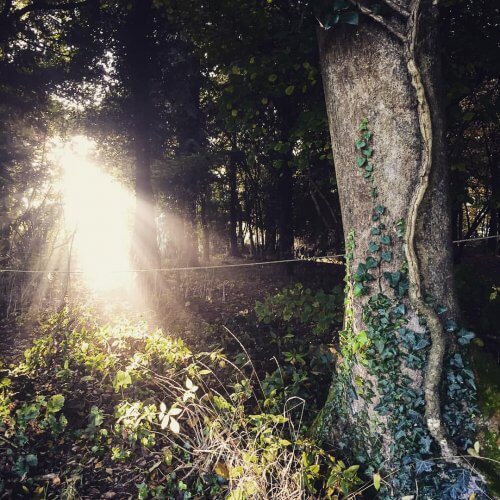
381	366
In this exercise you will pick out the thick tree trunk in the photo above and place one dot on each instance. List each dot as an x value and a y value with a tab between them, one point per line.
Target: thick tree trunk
192	142
391	405
139	53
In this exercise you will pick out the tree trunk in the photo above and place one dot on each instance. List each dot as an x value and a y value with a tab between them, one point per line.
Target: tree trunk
285	218
191	138
205	229
391	406
494	226
233	205
139	53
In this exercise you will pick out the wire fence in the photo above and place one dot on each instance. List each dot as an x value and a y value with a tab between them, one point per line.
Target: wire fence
216	266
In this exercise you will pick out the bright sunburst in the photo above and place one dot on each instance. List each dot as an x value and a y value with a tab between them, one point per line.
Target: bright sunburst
98	211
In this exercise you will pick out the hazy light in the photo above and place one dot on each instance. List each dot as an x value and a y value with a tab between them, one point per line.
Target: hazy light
98	211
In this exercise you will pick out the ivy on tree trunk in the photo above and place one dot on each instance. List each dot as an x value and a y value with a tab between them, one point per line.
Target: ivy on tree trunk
402	402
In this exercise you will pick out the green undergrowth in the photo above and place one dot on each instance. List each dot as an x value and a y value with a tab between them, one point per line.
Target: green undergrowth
105	411
488	374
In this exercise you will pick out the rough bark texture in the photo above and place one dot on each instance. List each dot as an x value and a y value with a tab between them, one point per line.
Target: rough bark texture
390	79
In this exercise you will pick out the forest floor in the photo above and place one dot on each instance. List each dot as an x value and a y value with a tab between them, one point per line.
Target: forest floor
81	453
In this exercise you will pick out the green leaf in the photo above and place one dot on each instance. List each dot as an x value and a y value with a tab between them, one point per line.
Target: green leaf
55	403
272	78
386	256
350	18
376	481
340	4
380	209
360	161
373	247
289	90
122	380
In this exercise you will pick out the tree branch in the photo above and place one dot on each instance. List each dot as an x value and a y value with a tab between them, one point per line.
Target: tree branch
379	20
397	8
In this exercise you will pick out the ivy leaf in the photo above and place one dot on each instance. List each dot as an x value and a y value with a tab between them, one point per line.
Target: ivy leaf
371	263
368	152
393	278
360	161
374	231
380	209
350	18
360	144
358	290
386	256
340	4
426	442
451	326
464	336
373	247
421	344
385	240
423	466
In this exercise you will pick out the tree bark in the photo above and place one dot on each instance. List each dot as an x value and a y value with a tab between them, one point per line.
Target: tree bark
233	205
139	49
390	406
494	225
285	218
